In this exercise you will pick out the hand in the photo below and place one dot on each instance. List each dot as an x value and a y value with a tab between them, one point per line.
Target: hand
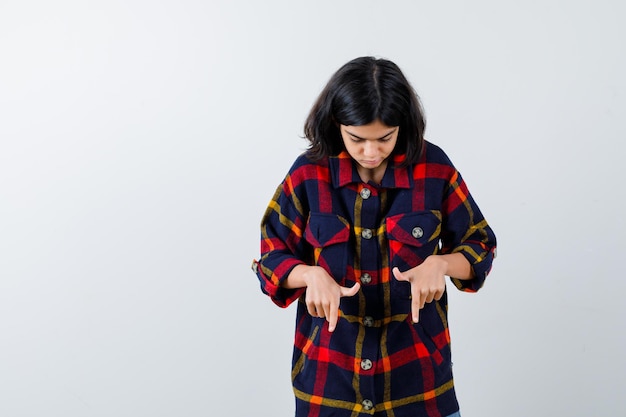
428	282
323	294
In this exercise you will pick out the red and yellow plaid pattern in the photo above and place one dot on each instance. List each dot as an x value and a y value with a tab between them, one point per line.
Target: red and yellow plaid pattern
377	361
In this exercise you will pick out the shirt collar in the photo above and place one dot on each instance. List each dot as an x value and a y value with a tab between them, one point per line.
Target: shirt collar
343	171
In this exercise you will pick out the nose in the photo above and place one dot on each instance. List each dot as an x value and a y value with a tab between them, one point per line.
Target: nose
370	148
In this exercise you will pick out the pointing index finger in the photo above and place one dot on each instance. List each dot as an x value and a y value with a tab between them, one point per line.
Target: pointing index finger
333	316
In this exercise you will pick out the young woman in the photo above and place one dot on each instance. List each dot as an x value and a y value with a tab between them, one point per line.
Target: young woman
362	233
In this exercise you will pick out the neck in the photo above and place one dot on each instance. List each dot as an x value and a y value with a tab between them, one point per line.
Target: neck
375	175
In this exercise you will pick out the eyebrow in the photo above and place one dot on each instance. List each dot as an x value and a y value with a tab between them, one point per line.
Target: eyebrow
360	138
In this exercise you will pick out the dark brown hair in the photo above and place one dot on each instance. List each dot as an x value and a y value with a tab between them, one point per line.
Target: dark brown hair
362	91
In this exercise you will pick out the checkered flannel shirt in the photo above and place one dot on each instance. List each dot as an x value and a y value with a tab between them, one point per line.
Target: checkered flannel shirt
377	361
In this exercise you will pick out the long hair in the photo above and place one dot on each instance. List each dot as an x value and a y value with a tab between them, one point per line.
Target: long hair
362	91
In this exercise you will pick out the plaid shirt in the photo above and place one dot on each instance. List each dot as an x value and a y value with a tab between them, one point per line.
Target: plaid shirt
377	361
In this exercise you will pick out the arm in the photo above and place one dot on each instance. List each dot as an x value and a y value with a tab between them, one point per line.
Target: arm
468	243
285	270
282	246
465	231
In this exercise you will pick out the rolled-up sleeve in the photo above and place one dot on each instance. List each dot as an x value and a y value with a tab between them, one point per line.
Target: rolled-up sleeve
466	231
282	245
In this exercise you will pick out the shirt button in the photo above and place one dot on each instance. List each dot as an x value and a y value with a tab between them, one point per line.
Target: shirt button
366	364
367	233
365	193
417	232
368	321
367	405
366	278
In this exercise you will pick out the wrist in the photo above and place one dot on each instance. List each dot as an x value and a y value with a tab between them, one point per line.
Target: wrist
439	262
300	276
309	273
455	265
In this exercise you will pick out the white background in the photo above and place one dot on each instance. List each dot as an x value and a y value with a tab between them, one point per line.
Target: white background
140	142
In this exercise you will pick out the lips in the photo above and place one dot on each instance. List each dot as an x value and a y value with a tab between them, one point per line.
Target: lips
374	162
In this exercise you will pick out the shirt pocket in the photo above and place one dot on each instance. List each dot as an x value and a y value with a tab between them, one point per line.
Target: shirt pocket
412	237
329	235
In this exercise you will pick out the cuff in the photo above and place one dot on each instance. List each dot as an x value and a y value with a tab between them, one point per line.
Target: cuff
281	296
481	264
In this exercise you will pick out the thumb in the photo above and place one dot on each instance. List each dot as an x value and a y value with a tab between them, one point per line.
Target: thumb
399	275
349	292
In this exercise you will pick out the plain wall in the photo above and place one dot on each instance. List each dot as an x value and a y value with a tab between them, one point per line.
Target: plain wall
140	142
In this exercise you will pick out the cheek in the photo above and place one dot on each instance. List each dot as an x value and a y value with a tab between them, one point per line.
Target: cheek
354	149
389	148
